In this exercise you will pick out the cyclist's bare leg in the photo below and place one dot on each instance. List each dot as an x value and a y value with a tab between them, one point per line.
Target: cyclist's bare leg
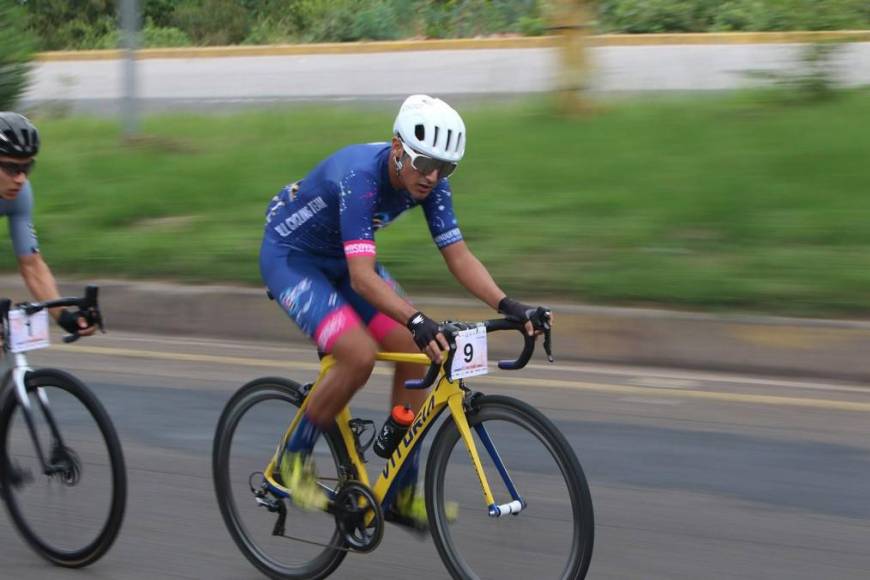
399	340
354	353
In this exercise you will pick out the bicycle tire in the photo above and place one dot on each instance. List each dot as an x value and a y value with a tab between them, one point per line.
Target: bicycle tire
243	400
516	414
95	549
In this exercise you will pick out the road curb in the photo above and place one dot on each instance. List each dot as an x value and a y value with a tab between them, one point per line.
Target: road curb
525	42
739	343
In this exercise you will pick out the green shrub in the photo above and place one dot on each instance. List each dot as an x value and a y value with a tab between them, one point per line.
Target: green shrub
163	36
644	16
159	12
327	20
529	26
212	22
736	15
750	15
376	21
267	30
76	24
71	24
16	49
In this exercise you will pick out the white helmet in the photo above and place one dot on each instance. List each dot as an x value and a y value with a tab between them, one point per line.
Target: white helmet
431	127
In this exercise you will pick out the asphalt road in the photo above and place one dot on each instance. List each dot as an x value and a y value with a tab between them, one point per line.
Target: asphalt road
693	475
163	84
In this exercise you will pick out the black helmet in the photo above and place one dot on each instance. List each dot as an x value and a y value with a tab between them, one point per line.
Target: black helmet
18	136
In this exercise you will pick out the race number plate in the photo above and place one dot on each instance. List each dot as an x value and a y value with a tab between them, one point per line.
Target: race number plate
470	358
27	332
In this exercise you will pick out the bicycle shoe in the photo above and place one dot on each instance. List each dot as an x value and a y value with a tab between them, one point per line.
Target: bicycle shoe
409	510
296	472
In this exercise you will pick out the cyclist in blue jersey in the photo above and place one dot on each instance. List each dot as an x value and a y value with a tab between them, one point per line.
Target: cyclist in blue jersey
318	259
19	144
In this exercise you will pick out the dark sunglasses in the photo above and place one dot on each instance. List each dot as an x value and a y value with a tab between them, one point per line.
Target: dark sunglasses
12	169
427	165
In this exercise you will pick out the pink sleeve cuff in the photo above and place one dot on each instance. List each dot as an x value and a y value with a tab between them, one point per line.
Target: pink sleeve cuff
356	248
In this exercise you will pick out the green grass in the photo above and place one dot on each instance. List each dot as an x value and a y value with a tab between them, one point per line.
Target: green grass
714	203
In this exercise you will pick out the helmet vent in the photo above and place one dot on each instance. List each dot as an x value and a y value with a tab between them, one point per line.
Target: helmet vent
449	136
458	141
435	138
420	132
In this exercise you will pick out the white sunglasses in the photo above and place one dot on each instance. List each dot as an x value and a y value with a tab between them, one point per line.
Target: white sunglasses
426	165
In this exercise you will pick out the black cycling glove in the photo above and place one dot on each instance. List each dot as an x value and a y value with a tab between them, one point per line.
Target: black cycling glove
515	310
423	329
69	321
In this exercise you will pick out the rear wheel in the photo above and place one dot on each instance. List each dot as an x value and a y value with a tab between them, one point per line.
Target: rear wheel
72	515
248	432
550	537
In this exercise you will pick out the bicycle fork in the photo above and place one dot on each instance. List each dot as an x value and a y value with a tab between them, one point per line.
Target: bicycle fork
61	460
457	410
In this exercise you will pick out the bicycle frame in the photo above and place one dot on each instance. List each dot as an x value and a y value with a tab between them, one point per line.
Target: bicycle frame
446	394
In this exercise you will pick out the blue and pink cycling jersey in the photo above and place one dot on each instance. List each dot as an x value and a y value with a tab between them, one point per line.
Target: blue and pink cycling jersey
315	225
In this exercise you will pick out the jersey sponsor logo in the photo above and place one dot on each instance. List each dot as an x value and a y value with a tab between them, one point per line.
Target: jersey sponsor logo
448	237
300	217
330	329
333	326
359	248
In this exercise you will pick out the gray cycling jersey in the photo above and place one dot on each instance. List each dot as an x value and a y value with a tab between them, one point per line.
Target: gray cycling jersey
20	214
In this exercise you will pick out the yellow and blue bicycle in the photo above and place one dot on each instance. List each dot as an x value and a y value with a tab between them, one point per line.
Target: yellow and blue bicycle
524	505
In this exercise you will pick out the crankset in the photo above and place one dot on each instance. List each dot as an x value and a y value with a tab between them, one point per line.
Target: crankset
354	505
349	517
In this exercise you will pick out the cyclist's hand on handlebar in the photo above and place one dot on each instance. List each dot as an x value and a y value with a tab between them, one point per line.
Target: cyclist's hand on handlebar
535	323
427	336
75	323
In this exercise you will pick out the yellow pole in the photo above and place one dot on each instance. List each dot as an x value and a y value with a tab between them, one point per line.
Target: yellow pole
570	20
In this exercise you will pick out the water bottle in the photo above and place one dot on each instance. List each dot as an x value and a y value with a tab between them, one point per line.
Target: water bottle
393	430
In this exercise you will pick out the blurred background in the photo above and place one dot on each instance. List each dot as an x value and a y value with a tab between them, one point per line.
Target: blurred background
701	170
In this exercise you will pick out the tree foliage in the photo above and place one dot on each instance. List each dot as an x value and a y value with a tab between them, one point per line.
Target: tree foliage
77	24
16	50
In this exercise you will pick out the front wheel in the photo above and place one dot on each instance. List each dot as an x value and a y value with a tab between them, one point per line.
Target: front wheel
528	463
72	515
306	545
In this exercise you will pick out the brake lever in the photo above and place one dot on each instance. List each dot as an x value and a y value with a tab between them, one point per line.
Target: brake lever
548	344
97	318
548	332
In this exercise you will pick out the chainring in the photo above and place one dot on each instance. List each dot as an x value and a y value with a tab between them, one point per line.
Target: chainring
352	506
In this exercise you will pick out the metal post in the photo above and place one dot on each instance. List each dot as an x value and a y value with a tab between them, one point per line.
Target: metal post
130	25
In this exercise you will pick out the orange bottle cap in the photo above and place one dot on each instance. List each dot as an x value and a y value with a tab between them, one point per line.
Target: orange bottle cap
403	415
